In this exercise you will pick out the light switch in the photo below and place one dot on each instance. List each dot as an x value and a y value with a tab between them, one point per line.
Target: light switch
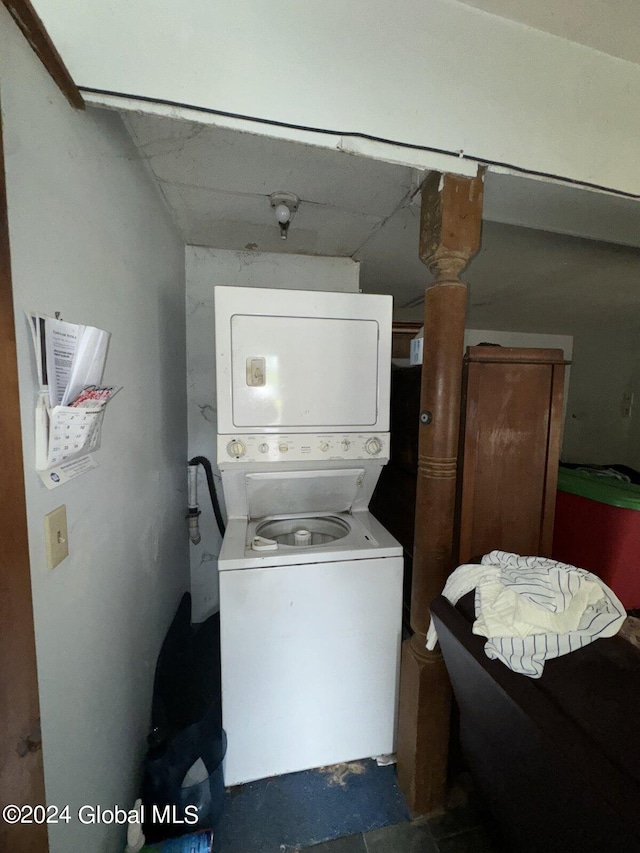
55	535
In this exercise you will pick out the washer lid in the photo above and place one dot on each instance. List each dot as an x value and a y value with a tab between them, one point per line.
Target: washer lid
298	492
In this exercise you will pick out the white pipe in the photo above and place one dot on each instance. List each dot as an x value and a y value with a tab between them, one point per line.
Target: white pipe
192	470
194	512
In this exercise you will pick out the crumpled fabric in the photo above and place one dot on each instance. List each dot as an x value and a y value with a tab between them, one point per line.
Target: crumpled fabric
532	609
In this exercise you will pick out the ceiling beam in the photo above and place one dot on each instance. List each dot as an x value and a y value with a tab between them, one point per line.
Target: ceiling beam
34	31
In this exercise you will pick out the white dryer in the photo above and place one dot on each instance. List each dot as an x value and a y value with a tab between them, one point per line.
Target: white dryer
310	582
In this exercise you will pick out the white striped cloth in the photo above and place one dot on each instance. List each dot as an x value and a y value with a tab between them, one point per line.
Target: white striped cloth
532	609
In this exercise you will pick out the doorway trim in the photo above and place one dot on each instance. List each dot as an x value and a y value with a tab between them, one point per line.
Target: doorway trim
21	767
35	33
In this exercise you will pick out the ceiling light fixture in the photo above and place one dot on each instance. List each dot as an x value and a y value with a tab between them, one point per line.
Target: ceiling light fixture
284	206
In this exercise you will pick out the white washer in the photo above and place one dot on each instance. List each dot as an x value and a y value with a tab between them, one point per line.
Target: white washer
310	582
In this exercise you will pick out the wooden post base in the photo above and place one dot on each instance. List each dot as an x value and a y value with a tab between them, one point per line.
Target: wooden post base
423	727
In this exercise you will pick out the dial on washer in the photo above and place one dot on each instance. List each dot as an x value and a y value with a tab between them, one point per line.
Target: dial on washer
373	446
236	449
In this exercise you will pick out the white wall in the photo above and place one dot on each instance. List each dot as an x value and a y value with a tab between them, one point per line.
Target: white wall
206	268
90	238
473	337
605	365
437	73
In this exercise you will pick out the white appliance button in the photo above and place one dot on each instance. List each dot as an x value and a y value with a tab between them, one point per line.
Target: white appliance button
236	449
373	446
283	448
264	448
324	446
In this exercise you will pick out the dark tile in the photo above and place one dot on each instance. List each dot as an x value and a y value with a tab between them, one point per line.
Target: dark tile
455	821
476	841
401	838
347	844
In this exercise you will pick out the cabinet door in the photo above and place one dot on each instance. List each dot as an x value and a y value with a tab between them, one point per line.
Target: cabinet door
510	449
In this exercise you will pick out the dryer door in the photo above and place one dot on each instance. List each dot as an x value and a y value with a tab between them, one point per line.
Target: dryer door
302	361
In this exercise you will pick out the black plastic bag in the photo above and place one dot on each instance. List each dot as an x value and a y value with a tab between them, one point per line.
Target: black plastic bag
164	799
186	720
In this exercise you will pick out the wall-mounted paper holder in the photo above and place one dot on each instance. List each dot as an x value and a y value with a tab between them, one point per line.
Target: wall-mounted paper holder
71	402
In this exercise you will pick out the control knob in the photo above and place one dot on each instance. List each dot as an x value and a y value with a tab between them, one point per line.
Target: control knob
263	448
236	449
373	446
324	446
346	444
283	447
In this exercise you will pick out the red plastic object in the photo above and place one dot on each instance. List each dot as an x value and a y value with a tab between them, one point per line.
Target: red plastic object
603	539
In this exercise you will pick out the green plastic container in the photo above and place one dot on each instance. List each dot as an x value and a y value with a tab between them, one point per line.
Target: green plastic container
597	487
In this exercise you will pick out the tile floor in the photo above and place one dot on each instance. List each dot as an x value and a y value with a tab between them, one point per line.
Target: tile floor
298	810
460	830
358	806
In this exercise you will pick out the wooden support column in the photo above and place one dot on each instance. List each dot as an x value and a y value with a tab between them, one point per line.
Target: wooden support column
450	229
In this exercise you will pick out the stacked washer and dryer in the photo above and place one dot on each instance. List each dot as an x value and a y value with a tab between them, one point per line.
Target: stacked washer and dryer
310	582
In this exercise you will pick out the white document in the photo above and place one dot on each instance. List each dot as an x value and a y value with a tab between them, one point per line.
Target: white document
74	357
88	363
61	346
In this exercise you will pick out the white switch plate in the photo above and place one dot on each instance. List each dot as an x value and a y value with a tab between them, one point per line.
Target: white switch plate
55	536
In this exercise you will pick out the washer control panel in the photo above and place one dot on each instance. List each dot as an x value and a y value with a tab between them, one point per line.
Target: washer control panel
298	447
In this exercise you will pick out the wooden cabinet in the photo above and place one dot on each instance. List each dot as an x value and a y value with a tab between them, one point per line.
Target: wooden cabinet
509	453
509	450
